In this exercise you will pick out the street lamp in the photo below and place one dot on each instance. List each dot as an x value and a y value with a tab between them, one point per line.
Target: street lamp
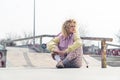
34	25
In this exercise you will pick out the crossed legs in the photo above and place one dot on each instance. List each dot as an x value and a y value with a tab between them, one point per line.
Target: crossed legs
70	60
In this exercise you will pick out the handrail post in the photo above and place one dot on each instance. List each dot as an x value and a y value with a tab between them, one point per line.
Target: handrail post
103	54
40	40
40	44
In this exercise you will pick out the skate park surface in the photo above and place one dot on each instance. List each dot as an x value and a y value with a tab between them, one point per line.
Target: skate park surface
24	64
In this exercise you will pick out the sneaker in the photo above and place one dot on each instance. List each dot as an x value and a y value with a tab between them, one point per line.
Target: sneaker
60	65
53	55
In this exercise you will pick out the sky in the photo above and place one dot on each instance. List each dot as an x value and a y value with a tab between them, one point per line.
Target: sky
101	18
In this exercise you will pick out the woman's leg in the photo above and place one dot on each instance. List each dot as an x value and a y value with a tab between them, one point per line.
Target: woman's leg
57	58
73	59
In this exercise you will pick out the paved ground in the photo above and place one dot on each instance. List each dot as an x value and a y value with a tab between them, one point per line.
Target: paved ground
22	57
60	74
23	64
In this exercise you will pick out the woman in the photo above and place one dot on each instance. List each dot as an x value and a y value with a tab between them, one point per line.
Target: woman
66	48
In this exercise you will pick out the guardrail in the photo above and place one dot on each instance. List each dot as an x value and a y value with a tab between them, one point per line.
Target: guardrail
103	45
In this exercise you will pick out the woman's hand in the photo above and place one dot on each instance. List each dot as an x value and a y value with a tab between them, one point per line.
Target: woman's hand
59	52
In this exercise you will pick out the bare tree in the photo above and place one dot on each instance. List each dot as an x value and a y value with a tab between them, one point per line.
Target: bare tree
9	38
12	36
25	35
118	35
83	30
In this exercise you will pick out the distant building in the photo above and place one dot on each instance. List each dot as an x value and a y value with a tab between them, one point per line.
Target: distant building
91	49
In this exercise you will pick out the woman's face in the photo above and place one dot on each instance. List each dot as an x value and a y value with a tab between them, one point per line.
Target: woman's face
72	28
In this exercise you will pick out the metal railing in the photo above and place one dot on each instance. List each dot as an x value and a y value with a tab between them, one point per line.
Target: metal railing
102	39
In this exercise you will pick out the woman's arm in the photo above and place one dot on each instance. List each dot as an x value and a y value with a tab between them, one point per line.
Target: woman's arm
77	43
53	44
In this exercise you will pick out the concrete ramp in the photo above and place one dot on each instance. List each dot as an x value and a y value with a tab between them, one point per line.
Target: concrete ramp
23	57
22	65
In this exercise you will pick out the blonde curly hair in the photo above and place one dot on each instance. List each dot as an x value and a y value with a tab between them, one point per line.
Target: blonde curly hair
67	25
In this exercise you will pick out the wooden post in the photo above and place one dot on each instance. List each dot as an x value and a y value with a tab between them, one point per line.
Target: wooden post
103	54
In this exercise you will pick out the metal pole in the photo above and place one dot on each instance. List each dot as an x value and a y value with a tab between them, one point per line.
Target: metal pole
85	62
34	25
